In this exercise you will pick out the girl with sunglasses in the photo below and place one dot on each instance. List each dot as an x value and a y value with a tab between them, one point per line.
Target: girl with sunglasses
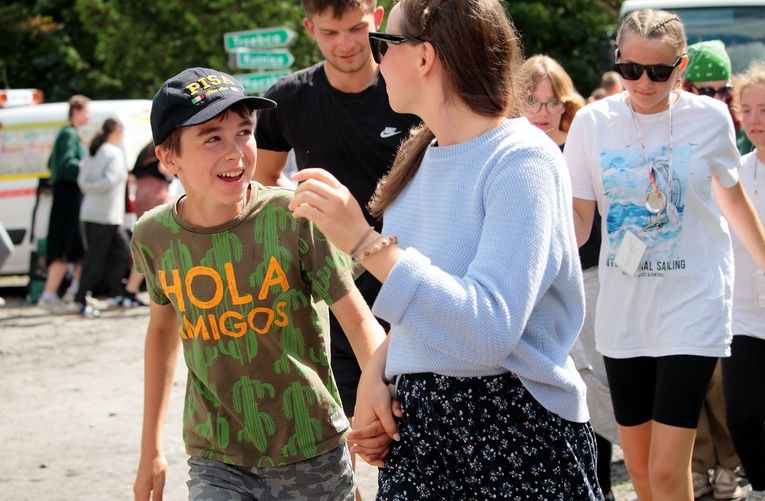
481	281
661	166
709	74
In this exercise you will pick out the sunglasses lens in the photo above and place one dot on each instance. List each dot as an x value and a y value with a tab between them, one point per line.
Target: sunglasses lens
659	72
629	71
379	48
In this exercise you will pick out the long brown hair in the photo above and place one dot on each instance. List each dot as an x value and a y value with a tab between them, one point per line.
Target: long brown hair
480	52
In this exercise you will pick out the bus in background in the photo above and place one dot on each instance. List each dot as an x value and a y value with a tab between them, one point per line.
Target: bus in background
740	24
25	144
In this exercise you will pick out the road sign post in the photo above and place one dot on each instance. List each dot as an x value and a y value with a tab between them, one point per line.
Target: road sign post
256	83
278	36
262	59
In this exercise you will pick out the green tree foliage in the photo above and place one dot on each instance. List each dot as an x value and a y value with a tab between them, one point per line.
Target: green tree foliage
569	31
116	49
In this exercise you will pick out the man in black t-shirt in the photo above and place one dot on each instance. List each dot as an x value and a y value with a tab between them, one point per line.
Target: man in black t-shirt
335	115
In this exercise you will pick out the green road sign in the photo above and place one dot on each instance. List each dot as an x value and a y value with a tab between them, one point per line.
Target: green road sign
256	83
277	36
266	59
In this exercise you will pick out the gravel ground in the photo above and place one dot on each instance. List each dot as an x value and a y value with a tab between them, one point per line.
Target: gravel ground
72	396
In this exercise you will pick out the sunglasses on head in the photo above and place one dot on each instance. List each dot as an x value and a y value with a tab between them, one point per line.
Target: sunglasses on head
379	43
724	93
656	72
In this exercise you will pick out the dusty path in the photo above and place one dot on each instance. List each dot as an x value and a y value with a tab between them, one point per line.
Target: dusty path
71	399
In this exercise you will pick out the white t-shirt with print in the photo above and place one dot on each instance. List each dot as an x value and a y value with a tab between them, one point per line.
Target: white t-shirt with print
679	301
748	319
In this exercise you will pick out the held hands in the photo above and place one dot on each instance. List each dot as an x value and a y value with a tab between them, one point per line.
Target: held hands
323	200
374	424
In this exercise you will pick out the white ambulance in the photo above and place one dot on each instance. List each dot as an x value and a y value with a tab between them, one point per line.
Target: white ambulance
25	144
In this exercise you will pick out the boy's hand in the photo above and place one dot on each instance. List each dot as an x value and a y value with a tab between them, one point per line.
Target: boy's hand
372	442
374	423
151	476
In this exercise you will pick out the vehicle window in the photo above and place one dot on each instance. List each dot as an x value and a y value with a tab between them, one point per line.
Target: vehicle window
742	29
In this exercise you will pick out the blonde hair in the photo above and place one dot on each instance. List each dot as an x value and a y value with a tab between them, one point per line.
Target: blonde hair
754	75
654	24
537	68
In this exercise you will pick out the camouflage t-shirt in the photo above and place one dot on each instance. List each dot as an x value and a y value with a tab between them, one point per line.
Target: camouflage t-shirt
251	297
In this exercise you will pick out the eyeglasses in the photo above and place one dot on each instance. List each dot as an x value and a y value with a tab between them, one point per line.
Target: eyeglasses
554	107
724	93
379	43
656	72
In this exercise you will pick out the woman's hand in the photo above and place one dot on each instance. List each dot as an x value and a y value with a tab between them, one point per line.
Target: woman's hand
374	425
323	200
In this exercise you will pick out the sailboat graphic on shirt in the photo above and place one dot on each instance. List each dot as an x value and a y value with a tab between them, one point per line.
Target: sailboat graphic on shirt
673	191
626	182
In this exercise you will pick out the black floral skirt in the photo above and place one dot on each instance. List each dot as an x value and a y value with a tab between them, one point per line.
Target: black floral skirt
485	438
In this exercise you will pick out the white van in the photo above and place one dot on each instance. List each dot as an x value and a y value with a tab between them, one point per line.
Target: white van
740	24
25	144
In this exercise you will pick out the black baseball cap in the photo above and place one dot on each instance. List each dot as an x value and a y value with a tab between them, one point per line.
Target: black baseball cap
195	96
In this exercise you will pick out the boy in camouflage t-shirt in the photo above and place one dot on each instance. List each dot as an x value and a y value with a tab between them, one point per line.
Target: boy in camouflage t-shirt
242	288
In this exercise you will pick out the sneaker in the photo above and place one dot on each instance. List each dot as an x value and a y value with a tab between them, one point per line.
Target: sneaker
130	300
88	311
54	305
726	484
701	485
2	301
94	303
755	496
115	302
69	296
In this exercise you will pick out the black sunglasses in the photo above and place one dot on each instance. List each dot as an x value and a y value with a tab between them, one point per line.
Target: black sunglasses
656	72
379	43
725	93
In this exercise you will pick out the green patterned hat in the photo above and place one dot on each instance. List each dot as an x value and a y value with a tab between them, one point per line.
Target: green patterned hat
707	62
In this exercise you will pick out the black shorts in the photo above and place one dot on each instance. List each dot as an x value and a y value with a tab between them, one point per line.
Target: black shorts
669	390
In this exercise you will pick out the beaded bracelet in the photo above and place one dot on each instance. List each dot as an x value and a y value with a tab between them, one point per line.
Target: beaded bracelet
361	241
373	247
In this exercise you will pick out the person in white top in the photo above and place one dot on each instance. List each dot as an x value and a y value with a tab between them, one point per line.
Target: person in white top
103	181
744	370
662	167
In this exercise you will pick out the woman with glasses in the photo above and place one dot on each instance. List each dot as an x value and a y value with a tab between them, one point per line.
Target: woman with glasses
552	101
551	104
661	166
481	282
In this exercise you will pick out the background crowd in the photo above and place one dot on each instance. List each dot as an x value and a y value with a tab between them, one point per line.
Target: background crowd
678	386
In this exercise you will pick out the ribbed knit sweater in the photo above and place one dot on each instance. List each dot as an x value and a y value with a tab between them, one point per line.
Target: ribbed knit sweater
490	280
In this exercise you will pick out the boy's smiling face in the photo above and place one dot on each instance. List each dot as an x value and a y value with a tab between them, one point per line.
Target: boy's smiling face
215	164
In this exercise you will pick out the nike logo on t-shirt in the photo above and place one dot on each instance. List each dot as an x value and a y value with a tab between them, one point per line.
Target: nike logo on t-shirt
389	132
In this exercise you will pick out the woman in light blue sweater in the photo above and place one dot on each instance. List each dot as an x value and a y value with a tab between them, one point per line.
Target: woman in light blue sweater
481	278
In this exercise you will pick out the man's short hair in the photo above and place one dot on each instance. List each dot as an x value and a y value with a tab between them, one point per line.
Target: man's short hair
337	7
